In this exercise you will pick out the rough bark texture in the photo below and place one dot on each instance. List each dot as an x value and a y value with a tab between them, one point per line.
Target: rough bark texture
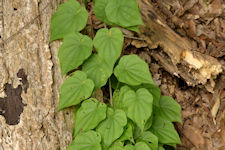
30	79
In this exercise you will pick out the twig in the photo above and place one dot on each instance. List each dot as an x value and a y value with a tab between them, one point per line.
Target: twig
135	38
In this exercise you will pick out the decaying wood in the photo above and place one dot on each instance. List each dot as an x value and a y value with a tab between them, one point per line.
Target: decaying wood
175	53
29	72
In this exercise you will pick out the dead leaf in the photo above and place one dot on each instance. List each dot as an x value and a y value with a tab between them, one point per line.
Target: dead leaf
193	135
98	94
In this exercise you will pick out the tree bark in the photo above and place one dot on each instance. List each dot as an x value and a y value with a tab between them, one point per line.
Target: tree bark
30	79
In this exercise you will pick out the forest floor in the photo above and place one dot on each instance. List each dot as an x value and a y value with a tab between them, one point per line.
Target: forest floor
202	22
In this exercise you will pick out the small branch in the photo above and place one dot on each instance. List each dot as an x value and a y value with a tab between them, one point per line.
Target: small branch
110	93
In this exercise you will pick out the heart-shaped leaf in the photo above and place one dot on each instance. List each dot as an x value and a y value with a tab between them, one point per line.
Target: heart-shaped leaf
133	71
137	146
165	131
73	51
86	141
68	18
123	13
112	128
154	90
99	10
170	109
97	70
138	106
109	44
75	89
90	114
150	139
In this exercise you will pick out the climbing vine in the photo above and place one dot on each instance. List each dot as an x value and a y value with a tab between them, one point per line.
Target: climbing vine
135	116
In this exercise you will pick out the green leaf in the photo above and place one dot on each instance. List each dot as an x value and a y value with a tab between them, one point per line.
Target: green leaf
76	108
99	10
109	44
137	132
97	70
69	18
116	146
154	90
133	71
118	97
123	13
128	133
90	114
150	139
138	146
165	131
75	89
170	109
86	141
134	28
73	51
161	147
148	123
138	106
112	128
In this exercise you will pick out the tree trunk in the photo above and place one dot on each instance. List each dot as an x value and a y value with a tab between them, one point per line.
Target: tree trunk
30	79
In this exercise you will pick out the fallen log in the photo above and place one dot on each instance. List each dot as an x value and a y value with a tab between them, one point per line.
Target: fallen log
174	53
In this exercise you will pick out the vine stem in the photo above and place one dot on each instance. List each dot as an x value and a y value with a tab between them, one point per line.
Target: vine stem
110	93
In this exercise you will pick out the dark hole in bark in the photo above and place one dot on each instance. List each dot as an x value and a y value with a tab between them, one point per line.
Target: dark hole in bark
12	106
15	9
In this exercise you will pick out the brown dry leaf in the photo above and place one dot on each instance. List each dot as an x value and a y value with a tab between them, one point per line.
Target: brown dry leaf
216	106
194	136
218	138
215	8
98	94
